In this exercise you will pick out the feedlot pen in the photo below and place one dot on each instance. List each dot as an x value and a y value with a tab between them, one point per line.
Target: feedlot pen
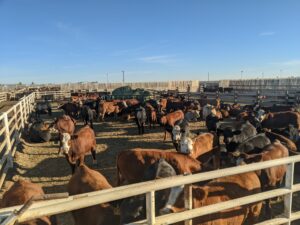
40	162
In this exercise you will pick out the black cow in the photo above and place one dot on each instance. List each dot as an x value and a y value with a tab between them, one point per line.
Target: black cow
87	115
134	208
211	122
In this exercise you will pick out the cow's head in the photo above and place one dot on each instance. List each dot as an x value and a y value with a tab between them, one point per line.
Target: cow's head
260	115
229	134
176	132
132	209
186	145
66	142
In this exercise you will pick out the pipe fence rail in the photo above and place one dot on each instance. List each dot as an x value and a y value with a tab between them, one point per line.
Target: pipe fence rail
3	96
11	125
51	207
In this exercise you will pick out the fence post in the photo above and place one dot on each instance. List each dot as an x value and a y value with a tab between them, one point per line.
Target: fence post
288	199
7	139
188	201
22	115
150	207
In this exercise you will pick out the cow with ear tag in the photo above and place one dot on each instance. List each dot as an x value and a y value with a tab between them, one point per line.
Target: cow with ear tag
76	146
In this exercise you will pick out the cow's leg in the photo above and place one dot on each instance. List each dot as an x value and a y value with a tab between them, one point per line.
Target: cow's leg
143	131
165	137
91	122
94	156
60	144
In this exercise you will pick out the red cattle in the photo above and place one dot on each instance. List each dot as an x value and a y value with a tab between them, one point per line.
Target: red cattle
78	145
202	147
108	108
151	114
21	192
131	164
284	140
269	177
221	190
281	120
170	120
86	180
64	124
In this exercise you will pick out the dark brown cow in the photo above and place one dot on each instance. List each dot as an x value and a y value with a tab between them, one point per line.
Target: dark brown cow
86	180
64	124
70	109
202	147
108	108
281	120
225	113
270	177
78	145
170	119
131	164
220	190
21	192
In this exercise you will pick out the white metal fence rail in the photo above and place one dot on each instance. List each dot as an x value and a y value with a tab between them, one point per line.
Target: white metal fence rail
52	207
3	96
11	125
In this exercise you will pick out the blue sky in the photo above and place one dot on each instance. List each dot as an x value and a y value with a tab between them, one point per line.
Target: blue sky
73	40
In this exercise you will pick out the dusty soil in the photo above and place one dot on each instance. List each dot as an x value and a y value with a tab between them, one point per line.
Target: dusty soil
41	164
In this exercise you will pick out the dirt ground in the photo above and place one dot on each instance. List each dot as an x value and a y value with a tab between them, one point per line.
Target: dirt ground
41	164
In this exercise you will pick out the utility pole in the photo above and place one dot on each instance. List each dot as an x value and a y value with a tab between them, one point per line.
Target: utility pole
123	76
208	76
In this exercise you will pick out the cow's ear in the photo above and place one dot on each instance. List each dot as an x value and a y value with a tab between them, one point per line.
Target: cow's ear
74	136
236	132
200	193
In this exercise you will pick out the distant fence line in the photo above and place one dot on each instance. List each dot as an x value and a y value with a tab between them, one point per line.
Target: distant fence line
3	96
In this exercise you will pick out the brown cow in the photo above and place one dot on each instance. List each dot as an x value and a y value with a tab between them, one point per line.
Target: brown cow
280	120
163	103
284	140
108	108
170	119
221	190
151	115
132	102
201	147
21	192
269	177
64	124
131	164
86	180
78	145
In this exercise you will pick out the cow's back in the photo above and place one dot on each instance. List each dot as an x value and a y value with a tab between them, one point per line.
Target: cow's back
20	193
281	120
86	180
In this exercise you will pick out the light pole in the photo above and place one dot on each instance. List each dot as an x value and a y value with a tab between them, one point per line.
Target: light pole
242	71
123	76
208	76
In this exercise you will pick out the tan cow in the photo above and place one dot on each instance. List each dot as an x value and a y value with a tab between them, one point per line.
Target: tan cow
86	180
21	192
131	164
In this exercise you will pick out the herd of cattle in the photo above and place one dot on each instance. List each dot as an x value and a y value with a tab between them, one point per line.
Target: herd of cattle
235	135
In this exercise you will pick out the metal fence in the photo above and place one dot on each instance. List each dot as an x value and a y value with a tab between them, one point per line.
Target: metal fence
11	124
75	202
3	96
